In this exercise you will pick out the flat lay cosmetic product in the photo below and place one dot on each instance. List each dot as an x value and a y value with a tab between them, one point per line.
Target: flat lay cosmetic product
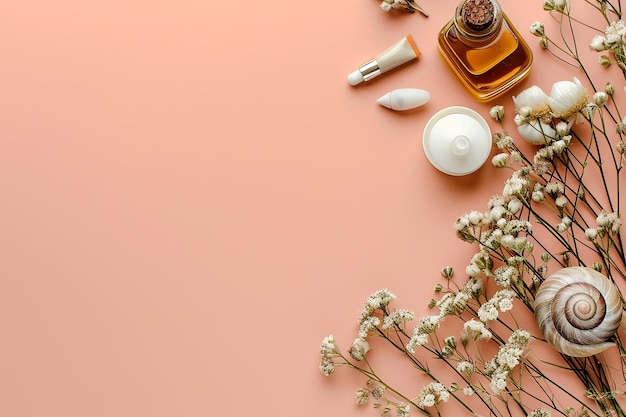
404	99
484	49
401	52
457	140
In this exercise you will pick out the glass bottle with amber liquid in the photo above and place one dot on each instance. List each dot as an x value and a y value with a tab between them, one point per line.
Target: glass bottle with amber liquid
484	49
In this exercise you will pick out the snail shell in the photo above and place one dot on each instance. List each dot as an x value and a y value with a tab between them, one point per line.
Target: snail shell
578	310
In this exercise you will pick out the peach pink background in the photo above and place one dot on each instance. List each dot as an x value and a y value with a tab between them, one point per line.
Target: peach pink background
193	197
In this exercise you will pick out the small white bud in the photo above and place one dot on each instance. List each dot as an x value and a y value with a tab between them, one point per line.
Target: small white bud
559	5
597	43
600	98
359	348
500	160
475	217
497	113
562	129
537	29
591	234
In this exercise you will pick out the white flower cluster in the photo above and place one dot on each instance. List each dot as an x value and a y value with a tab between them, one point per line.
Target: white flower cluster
613	39
542	161
388	5
502	139
498	227
403	410
367	325
450	304
465	367
475	330
406	5
480	262
501	301
608	223
362	396
539	412
376	301
564	224
556	191
473	287
328	351
500	160
506	275
446	305
554	5
368	322
497	113
373	390
535	112
428	324
417	339
517	185
554	188
508	357
433	393
398	318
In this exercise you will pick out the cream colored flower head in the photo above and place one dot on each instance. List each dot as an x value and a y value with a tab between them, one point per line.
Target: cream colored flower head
533	98
387	5
359	348
533	116
598	43
537	29
536	132
497	113
600	98
555	5
567	99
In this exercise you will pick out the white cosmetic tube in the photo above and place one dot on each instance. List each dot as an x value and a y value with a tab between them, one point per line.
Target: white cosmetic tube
399	53
404	99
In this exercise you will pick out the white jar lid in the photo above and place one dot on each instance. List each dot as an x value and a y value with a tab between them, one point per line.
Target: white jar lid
457	140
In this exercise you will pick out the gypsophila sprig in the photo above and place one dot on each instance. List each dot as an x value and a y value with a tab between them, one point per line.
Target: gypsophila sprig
562	148
404	5
432	394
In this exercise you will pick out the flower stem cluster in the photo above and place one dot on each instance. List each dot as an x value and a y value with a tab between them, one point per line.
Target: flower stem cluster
560	206
404	5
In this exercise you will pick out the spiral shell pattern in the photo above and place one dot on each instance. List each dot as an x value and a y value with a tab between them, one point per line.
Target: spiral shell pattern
578	310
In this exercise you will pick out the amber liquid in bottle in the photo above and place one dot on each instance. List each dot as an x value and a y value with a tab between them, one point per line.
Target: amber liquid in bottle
484	49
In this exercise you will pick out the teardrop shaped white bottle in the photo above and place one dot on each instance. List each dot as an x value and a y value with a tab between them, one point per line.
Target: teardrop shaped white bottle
404	99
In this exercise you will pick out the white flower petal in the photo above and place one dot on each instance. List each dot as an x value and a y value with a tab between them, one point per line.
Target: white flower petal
533	97
597	43
566	96
536	133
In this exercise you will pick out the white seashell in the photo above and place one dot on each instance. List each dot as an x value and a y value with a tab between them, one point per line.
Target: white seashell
578	310
404	99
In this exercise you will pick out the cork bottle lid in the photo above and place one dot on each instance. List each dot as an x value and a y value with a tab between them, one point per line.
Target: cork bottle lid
477	14
457	140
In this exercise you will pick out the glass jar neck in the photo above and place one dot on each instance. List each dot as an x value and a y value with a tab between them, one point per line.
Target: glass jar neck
478	22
